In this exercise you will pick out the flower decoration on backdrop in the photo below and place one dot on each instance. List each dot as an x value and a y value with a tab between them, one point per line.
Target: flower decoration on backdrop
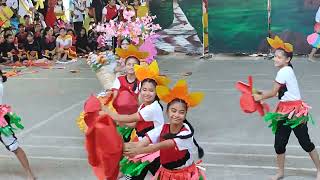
141	28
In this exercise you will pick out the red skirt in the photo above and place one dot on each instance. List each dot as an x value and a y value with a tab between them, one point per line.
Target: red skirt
187	173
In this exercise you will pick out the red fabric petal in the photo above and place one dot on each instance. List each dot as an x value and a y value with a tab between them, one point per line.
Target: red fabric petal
103	144
92	104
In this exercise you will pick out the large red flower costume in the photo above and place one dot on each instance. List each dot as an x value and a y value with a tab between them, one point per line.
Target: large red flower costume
103	143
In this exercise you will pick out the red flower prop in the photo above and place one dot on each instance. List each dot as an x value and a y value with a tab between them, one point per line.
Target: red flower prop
103	143
247	102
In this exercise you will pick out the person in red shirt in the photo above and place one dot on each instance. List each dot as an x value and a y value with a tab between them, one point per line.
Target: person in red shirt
110	11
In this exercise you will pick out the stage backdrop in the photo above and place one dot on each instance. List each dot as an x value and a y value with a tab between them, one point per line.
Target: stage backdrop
241	26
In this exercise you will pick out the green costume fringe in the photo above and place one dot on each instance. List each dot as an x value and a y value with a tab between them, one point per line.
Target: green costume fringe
14	119
131	168
201	177
275	118
125	132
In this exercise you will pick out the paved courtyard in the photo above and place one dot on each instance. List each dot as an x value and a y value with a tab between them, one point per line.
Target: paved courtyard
238	146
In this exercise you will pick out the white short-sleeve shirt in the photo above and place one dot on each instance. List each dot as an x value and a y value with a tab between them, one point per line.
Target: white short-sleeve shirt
117	85
79	7
63	42
181	144
152	112
286	76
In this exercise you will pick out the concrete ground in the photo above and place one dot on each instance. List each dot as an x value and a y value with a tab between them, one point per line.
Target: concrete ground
238	146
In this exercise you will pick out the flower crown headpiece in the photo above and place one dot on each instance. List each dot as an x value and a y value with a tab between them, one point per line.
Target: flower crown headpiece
180	91
277	43
132	51
152	72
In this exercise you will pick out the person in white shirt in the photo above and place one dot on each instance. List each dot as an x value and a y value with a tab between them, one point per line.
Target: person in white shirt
149	115
78	15
314	49
12	4
317	18
11	141
175	139
110	11
292	114
25	8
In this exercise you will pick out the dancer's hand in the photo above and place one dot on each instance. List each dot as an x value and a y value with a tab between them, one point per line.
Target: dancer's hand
255	91
257	97
130	145
131	152
112	114
101	113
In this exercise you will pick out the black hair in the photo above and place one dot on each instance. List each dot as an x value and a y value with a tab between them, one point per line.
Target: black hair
62	28
125	62
4	78
172	136
6	31
37	16
7	36
47	29
20	25
152	81
30	34
127	39
26	16
71	30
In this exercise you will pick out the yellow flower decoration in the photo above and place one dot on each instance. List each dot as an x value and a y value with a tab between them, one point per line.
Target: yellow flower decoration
132	51
277	43
81	123
152	72
180	91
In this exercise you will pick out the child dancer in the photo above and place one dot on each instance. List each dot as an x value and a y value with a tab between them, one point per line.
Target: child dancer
291	112
125	88
10	141
174	139
148	117
125	42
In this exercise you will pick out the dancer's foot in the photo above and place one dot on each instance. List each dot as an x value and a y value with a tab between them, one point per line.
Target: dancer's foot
278	176
318	175
31	177
311	58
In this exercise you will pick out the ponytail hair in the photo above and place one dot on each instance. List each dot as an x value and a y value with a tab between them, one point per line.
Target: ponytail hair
172	136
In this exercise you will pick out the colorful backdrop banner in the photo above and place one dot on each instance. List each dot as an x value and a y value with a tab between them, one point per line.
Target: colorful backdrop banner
241	26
